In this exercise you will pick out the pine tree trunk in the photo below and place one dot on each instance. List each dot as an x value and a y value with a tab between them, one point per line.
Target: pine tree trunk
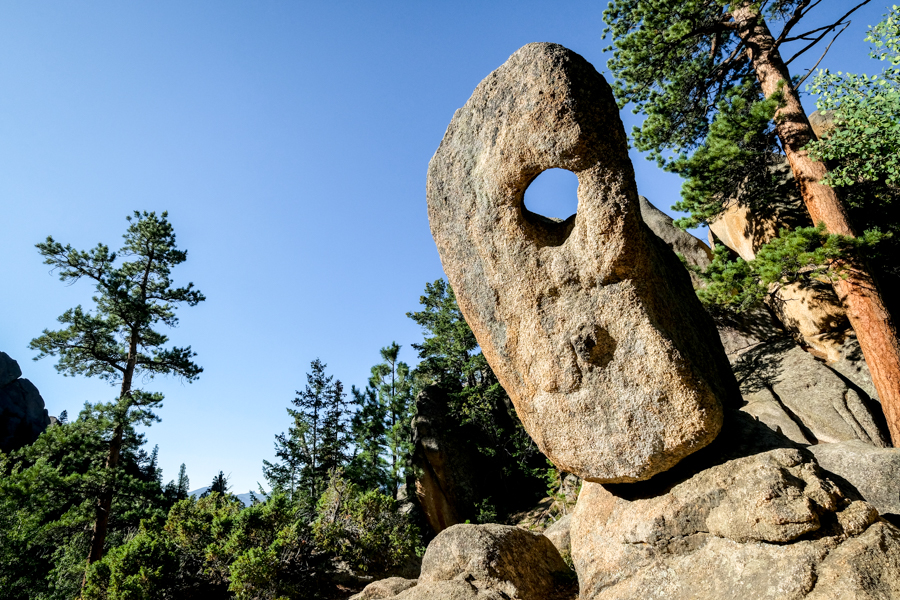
104	500
874	327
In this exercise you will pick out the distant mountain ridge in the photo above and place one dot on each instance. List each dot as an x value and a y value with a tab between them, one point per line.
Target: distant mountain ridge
245	498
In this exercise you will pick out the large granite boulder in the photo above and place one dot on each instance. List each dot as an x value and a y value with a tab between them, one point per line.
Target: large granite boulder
590	324
744	518
22	414
487	562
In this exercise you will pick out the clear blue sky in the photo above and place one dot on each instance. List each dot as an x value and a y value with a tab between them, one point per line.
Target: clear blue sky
289	142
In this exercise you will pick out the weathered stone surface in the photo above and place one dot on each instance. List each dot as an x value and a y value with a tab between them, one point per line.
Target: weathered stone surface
384	588
447	471
821	404
590	324
9	369
22	414
559	534
874	472
815	315
694	251
518	563
853	367
457	589
811	311
488	562
759	526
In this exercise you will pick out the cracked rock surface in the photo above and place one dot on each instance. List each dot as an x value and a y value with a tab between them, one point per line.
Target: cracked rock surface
590	324
765	524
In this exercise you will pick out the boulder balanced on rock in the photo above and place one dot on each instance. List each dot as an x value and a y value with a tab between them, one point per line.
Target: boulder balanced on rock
590	324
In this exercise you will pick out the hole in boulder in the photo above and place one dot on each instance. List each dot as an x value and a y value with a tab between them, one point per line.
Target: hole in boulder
553	195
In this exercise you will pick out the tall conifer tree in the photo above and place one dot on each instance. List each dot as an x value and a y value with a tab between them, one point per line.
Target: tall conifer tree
117	340
683	62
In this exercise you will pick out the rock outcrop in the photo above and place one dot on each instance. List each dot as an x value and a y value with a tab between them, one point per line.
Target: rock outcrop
448	475
811	311
590	324
789	389
873	472
734	524
694	251
485	562
22	414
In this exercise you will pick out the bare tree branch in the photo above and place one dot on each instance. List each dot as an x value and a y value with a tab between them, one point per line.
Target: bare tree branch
828	47
829	29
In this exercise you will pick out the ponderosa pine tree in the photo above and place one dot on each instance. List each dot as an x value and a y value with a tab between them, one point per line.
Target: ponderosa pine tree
367	468
680	62
116	341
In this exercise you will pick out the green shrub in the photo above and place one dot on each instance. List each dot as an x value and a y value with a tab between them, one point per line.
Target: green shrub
363	528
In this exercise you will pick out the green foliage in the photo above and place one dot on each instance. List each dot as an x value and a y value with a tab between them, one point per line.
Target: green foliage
487	421
316	443
738	161
368	468
212	547
363	528
806	254
219	485
291	449
47	507
676	61
865	144
133	296
392	382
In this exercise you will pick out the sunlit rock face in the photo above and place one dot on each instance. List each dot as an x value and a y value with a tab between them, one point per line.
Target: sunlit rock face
590	323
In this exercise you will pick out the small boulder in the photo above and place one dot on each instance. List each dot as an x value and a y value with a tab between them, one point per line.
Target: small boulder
487	562
559	534
384	588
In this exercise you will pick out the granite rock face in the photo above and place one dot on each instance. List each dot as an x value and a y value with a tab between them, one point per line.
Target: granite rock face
789	389
590	324
874	472
489	562
765	525
448	482
22	414
694	251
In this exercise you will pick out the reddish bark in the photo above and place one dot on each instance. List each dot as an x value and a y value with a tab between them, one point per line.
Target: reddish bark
874	327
